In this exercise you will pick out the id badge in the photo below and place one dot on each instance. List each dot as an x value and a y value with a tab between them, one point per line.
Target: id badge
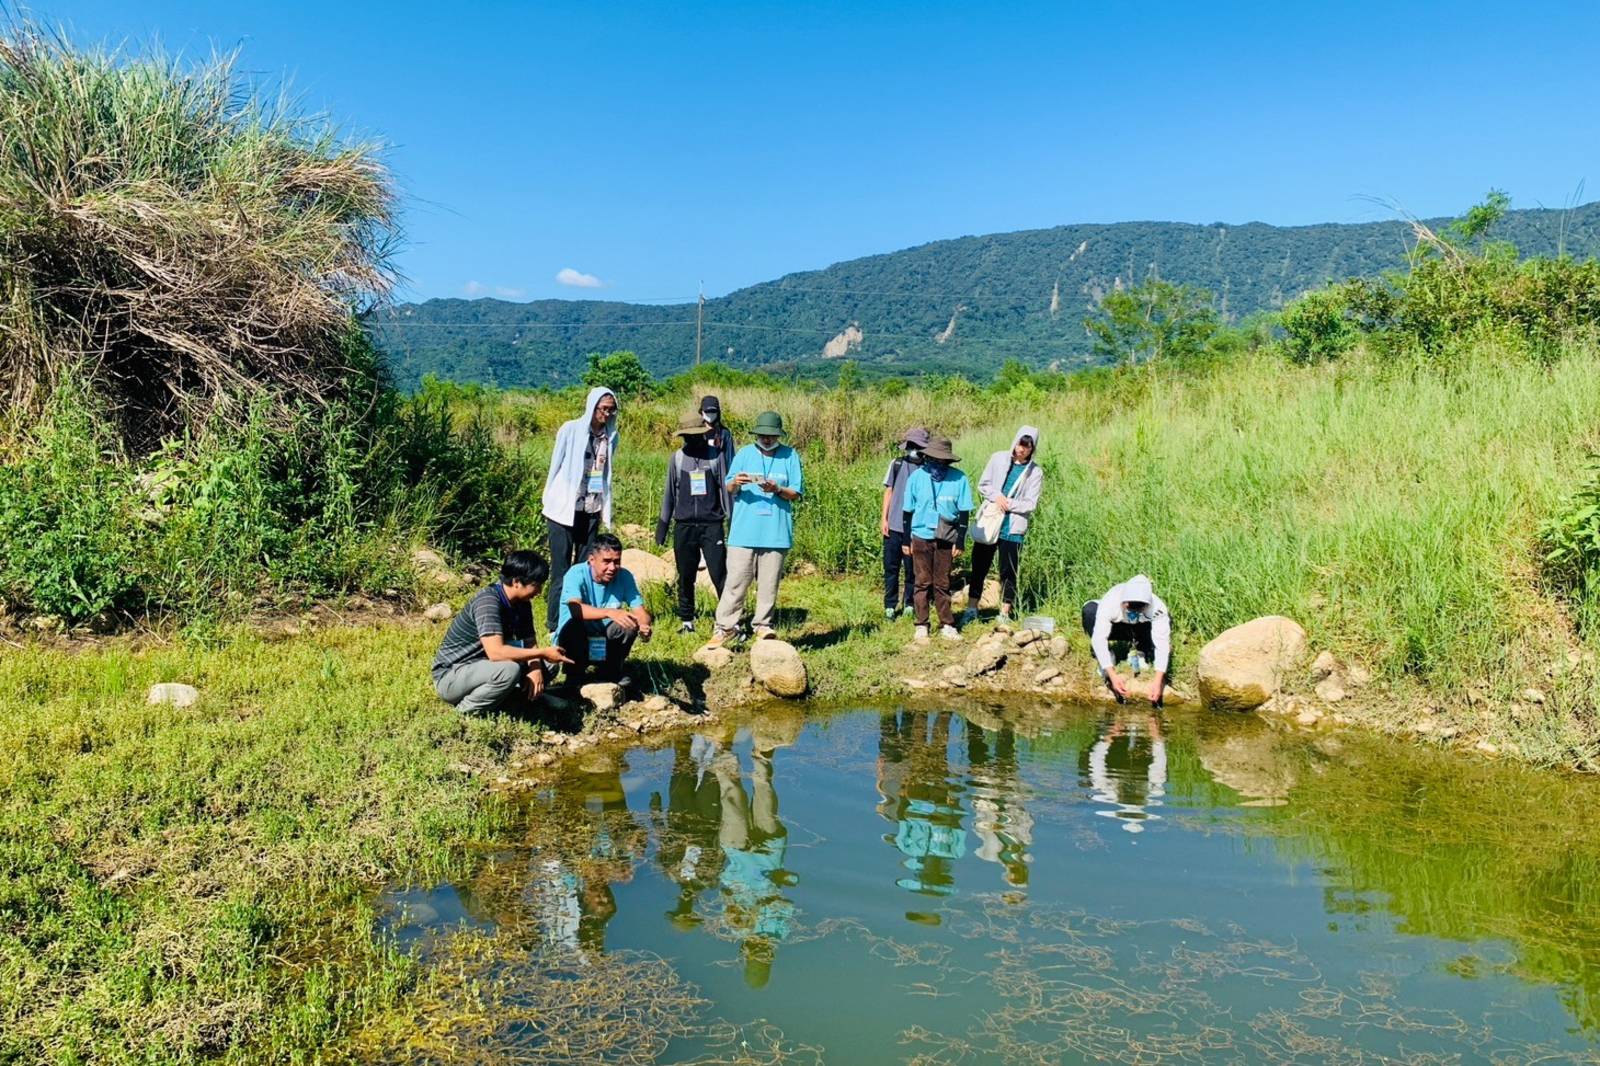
764	509
597	649
597	481
697	482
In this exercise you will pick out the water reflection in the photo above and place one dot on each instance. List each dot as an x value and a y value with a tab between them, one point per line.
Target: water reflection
919	795
1127	769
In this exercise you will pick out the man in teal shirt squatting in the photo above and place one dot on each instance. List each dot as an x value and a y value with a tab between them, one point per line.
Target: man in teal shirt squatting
602	612
765	481
938	502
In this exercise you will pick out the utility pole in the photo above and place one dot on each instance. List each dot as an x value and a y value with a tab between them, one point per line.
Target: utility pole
699	318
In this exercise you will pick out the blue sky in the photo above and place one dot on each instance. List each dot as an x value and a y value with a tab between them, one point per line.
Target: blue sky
652	148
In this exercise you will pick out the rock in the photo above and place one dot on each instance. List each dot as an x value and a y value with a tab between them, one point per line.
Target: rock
1045	676
1486	747
915	684
439	612
714	658
1025	637
1324	667
632	531
1244	666
985	658
1329	690
1533	695
646	568
1356	676
433	570
1258	764
171	692
1424	726
1003	629
603	694
1308	717
1059	648
656	704
954	676
779	668
428	559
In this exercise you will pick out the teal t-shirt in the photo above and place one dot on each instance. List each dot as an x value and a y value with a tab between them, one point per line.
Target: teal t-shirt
580	585
1005	490
762	519
929	500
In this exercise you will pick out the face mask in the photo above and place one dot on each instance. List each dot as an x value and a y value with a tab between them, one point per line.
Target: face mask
1131	614
913	453
709	418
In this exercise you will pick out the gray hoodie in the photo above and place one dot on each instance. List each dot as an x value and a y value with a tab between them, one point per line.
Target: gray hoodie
1025	496
563	485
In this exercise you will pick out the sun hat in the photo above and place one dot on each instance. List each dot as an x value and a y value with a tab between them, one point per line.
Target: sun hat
916	435
692	424
939	448
769	424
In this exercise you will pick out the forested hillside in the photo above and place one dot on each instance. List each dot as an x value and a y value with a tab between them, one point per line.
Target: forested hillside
955	305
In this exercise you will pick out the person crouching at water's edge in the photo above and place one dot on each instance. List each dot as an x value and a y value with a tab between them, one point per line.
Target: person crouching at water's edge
1132	614
1010	483
577	489
602	612
487	659
938	501
766	481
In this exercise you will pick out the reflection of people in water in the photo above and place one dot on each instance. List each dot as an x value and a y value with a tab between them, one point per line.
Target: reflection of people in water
1003	825
688	849
920	798
753	843
1127	769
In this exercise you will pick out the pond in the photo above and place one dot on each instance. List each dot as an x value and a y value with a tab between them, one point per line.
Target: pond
977	884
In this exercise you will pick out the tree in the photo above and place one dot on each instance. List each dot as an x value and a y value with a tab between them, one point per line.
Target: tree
1155	319
621	372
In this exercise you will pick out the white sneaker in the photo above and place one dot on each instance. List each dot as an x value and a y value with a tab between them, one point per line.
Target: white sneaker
888	614
922	635
950	633
686	627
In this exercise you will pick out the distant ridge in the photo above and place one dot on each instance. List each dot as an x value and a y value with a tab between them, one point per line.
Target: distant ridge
965	304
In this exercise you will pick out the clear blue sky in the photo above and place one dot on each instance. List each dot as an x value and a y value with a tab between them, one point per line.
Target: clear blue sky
657	146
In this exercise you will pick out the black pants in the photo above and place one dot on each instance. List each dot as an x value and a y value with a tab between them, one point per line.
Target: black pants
690	541
574	640
898	572
569	545
1134	633
982	558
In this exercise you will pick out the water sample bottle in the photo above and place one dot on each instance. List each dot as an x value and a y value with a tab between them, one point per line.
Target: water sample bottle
1135	663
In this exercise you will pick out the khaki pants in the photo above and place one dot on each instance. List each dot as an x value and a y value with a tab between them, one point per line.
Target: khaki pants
764	566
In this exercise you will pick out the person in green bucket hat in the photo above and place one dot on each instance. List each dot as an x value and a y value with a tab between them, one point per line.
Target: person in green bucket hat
765	481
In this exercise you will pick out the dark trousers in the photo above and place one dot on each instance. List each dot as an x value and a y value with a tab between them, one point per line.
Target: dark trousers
897	571
568	545
691	541
931	561
574	640
1136	634
1010	552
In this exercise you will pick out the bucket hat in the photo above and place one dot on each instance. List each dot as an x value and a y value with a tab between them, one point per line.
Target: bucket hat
939	448
917	436
769	424
692	425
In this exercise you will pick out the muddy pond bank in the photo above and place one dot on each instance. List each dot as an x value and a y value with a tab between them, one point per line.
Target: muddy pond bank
1022	883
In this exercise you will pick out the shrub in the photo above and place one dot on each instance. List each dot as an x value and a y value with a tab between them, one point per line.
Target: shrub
1570	544
1319	326
621	372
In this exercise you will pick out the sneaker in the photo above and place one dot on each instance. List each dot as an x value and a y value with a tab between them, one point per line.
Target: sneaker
766	633
968	616
719	637
889	614
686	627
908	611
950	633
922	635
1005	615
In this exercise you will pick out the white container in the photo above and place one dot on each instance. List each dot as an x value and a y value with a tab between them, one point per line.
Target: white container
1039	623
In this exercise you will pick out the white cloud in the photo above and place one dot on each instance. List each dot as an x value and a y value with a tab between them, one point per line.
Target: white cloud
505	292
577	279
474	288
508	293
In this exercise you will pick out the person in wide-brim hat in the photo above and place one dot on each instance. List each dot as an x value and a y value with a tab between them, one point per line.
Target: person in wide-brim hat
939	450
765	480
937	505
769	424
694	506
691	426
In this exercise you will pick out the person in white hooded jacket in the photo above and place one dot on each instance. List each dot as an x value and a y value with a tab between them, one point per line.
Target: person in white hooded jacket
1131	613
577	490
1011	482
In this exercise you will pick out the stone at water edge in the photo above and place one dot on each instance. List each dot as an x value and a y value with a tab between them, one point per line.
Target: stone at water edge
1329	690
172	692
439	612
1244	666
1325	666
777	665
603	694
1047	675
646	567
987	657
1059	648
1024	637
713	658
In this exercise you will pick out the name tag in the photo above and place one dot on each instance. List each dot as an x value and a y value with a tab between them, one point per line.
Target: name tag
597	480
697	482
764	508
597	649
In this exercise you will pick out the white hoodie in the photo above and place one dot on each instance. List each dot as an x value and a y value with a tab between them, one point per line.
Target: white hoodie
563	485
1134	590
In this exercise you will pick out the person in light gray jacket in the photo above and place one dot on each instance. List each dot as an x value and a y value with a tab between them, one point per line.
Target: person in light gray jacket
1011	481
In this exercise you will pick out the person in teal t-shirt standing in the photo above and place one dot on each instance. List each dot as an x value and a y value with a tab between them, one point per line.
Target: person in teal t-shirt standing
1011	481
938	502
765	481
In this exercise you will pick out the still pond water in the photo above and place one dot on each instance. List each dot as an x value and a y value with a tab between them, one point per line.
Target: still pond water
1003	885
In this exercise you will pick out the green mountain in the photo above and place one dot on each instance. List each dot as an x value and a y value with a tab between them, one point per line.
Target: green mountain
965	305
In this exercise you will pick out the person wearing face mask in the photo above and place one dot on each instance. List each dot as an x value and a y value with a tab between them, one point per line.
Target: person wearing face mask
1131	614
897	571
1011	482
765	481
938	502
695	506
719	435
577	489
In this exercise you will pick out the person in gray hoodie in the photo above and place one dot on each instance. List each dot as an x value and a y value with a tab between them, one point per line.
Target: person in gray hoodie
1011	481
577	489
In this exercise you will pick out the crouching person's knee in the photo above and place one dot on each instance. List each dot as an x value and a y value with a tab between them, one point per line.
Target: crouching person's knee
505	676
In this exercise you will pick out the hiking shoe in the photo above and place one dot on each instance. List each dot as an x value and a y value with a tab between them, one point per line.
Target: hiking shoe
968	616
889	614
719	637
766	633
686	627
950	633
922	635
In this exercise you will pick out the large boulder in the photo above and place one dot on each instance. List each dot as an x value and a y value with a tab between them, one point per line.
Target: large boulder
777	665
989	601
646	567
1244	666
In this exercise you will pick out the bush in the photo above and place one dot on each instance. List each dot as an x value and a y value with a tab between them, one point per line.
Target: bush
621	372
1319	326
1570	545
